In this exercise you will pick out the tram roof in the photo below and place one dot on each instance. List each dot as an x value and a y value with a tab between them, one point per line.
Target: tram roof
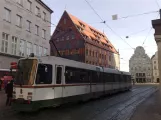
72	63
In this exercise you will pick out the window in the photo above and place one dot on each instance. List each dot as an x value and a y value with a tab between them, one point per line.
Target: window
62	39
45	51
77	75
29	3
73	36
44	16
28	23
19	2
58	75
37	30
19	21
154	62
14	45
7	14
57	39
86	51
109	58
34	49
44	74
155	68
43	33
40	51
65	21
67	38
29	48
37	11
4	47
22	47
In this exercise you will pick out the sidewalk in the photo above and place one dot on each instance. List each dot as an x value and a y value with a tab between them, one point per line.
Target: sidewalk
150	109
2	100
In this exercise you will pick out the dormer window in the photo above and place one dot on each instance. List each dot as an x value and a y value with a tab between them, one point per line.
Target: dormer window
81	24
79	28
85	36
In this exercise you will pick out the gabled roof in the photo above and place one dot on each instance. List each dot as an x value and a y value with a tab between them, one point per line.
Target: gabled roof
92	33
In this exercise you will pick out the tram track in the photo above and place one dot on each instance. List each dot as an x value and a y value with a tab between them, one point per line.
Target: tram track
132	104
87	111
100	110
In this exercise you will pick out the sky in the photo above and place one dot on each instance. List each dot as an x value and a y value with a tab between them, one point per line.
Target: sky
137	28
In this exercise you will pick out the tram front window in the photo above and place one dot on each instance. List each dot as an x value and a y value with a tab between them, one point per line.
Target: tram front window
26	72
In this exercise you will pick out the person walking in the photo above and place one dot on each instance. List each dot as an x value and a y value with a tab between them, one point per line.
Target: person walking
9	91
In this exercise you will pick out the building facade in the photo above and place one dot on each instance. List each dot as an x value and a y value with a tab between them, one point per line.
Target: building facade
155	68
76	40
140	66
24	28
157	27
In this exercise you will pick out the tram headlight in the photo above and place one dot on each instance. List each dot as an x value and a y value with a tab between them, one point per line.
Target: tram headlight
29	97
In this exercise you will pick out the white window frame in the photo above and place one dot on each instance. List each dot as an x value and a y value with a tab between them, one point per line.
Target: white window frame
14	45
40	50
22	48
29	48
35	49
37	30
7	14
29	5
28	26
44	16
45	51
37	11
4	47
19	20
43	33
67	38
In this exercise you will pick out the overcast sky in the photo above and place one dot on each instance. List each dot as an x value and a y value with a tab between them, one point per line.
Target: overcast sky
123	27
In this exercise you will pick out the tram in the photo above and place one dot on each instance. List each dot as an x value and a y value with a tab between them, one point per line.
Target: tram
51	81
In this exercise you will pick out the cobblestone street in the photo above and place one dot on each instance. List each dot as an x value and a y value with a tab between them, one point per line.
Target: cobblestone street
116	107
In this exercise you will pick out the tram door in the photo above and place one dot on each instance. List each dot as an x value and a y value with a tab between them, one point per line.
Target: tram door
59	81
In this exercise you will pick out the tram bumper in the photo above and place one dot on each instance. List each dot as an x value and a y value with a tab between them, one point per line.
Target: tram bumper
22	105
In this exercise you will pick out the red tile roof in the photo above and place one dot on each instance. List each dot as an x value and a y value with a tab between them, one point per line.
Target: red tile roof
92	33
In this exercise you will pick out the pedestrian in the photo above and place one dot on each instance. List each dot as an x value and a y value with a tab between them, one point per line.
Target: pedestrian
9	91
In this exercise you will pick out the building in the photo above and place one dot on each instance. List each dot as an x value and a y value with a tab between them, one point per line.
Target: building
155	68
140	66
76	40
157	26
24	28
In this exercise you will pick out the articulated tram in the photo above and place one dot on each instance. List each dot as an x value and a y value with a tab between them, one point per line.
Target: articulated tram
52	81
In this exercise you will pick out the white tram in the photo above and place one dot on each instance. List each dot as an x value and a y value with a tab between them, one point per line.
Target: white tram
51	81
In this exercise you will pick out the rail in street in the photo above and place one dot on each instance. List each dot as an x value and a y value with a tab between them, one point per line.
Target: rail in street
116	107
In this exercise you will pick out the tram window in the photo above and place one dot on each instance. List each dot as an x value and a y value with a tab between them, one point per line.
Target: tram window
121	78
44	74
76	75
59	75
96	77
116	78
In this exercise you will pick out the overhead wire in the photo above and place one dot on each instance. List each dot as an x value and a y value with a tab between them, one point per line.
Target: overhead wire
148	33
107	25
129	16
14	3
